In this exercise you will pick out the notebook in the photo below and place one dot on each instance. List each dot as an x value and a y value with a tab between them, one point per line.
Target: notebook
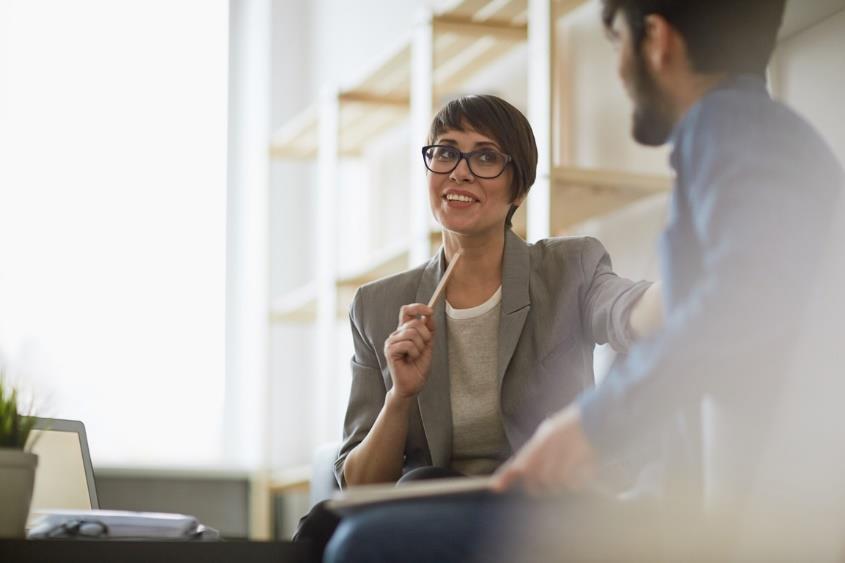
354	498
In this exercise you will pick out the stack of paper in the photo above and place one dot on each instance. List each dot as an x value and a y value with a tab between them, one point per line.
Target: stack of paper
115	524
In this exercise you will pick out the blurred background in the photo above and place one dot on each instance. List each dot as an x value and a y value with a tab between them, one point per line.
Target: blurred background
191	191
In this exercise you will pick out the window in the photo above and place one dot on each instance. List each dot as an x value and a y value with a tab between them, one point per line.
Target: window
113	219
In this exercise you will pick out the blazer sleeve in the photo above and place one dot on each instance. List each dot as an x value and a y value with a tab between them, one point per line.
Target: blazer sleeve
608	299
368	391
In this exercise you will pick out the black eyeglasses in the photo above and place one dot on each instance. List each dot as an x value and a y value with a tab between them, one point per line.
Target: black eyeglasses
79	528
484	163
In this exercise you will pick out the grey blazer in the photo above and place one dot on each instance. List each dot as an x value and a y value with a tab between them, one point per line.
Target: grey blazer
560	297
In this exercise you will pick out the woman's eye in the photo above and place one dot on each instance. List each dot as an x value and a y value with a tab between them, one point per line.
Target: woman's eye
489	157
446	154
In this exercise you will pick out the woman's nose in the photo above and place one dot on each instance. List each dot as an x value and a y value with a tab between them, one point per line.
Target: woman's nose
462	172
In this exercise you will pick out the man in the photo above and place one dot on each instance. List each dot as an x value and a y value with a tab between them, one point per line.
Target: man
746	269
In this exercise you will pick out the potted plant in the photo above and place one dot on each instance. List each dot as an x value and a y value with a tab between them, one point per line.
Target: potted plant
17	464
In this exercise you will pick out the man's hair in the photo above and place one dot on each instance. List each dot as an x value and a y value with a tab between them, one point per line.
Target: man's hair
499	120
733	36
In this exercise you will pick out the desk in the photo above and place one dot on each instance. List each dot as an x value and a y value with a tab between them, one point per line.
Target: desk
98	551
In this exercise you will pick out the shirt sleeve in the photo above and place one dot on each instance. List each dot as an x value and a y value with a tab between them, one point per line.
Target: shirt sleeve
367	393
759	218
608	300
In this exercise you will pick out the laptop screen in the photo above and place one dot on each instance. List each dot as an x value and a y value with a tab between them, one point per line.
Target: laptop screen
64	477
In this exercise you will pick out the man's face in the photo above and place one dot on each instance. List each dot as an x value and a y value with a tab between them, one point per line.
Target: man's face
652	120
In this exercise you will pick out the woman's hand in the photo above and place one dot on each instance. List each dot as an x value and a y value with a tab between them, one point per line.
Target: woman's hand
647	313
408	350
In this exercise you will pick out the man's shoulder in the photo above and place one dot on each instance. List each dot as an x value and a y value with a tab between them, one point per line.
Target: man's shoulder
740	117
728	124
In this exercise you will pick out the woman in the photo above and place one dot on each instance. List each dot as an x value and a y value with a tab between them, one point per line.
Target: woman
460	386
455	389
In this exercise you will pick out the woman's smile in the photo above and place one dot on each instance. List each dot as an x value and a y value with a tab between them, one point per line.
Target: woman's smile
460	199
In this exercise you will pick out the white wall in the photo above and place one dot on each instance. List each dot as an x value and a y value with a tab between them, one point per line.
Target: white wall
347	36
810	77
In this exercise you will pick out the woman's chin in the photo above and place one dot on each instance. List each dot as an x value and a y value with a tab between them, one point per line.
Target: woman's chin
464	226
459	227
467	230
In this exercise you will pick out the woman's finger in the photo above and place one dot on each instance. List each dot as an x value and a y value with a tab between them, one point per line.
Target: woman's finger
408	334
405	348
412	335
415	311
417	326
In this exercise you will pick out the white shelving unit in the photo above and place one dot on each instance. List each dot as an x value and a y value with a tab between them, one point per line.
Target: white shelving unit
465	37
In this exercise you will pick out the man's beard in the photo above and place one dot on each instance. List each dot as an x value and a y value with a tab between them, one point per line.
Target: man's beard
652	121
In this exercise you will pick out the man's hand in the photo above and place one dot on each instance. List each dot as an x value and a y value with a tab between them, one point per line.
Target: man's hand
557	457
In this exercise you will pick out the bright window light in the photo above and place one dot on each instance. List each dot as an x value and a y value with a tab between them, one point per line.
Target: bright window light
113	220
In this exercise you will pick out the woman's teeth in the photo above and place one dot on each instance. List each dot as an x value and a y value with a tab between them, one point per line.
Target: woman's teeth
458	197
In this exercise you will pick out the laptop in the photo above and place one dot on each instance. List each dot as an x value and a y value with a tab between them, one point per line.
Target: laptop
64	492
64	477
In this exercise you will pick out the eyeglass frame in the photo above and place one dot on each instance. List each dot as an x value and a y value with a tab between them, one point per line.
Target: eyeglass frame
466	156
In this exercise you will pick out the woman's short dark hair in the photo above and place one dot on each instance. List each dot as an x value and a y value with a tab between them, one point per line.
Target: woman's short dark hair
499	120
733	36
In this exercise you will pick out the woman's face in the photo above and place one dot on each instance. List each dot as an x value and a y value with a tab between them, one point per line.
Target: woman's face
463	203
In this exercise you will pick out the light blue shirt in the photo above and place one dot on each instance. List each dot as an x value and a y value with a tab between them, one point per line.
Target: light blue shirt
751	210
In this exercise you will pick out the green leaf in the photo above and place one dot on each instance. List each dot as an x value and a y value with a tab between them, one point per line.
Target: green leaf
15	426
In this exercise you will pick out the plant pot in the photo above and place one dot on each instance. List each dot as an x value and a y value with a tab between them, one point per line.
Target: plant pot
17	479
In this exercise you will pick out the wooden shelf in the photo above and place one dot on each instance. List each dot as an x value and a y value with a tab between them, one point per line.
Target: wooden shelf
390	260
468	36
298	306
579	194
298	137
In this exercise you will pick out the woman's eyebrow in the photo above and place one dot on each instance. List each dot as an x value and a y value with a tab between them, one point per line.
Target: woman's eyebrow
479	144
475	146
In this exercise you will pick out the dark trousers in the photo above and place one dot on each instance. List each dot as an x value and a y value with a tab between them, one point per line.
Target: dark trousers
318	526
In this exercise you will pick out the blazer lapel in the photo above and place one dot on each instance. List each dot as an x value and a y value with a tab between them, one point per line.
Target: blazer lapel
516	301
434	400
